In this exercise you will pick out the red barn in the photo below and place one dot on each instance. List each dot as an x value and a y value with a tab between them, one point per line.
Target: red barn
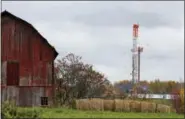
27	63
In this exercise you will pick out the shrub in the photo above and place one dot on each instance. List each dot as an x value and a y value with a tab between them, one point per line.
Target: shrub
178	100
10	110
28	113
74	104
182	100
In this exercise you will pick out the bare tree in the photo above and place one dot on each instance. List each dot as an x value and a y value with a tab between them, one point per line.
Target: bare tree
76	79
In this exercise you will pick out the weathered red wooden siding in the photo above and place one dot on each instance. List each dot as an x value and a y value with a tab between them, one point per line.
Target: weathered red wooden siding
24	45
12	73
10	93
34	94
21	43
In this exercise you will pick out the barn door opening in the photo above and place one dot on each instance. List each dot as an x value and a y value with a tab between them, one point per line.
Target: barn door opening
12	73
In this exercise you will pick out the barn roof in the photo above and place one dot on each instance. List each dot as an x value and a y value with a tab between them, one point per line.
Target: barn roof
6	13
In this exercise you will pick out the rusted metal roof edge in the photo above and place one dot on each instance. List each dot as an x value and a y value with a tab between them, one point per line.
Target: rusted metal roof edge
4	13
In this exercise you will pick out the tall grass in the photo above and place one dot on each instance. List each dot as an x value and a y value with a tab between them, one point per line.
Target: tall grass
39	112
122	105
10	110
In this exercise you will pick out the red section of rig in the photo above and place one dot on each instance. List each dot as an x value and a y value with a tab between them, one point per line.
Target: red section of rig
135	30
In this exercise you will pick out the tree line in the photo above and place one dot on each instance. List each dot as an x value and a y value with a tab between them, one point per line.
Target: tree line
76	79
154	87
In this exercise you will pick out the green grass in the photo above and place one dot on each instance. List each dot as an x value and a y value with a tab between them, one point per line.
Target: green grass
72	113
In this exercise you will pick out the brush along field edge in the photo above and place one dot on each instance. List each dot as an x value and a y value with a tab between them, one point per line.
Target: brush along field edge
119	105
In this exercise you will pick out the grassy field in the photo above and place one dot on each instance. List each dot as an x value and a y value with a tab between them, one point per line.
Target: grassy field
72	113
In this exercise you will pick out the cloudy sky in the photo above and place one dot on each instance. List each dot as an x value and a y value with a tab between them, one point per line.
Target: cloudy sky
101	32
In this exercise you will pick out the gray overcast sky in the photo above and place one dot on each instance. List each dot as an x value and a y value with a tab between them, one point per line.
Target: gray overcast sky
101	32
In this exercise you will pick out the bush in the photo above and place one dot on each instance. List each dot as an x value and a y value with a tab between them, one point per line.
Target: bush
10	110
182	100
74	104
178	100
27	113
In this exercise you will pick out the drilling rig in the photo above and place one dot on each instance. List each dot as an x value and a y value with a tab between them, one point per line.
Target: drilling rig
136	52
